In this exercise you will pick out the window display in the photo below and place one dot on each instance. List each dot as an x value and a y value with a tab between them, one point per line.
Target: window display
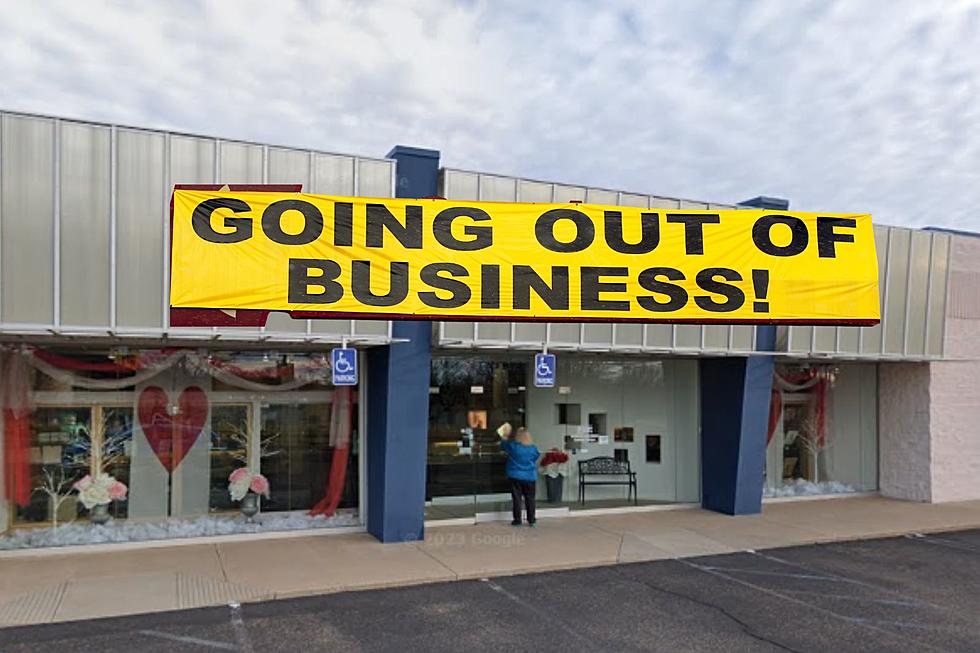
822	436
117	445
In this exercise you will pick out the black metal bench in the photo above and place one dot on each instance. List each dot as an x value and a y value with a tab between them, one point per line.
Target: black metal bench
610	472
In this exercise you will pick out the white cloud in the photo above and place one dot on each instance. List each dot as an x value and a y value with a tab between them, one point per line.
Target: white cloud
848	106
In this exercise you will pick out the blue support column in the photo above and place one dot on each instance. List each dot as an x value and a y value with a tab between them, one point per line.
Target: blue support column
398	395
735	394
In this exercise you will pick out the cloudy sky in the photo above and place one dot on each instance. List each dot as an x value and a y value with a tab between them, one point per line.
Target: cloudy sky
848	106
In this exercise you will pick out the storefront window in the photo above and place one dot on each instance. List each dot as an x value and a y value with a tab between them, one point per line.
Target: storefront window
822	436
165	429
644	412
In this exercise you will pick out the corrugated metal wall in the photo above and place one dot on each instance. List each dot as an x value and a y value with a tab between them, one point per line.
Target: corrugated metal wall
84	210
913	276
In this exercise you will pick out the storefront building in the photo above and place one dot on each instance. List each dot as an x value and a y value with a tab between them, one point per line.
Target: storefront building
98	375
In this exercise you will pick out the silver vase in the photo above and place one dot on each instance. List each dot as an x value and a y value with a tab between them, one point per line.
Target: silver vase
99	514
250	506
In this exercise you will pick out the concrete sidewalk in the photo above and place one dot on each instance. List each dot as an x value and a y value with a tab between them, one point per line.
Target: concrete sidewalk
46	587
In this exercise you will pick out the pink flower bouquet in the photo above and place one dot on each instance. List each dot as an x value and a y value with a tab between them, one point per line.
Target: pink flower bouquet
99	490
241	481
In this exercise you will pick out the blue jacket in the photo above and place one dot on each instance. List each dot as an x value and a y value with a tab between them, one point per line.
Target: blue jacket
521	460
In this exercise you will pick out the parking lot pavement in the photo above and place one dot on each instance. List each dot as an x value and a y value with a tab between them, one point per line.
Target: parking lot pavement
913	593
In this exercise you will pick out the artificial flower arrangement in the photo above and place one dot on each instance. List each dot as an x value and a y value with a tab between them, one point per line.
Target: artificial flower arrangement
99	490
555	463
242	480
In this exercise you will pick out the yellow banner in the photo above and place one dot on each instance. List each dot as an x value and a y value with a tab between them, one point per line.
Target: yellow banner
490	260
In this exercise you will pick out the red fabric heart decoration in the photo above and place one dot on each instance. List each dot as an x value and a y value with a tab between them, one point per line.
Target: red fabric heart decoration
172	437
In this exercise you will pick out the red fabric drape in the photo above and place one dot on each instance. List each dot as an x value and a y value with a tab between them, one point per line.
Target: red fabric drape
17	454
775	409
340	424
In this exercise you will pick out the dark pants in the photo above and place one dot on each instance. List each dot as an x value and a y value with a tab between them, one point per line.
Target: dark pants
524	489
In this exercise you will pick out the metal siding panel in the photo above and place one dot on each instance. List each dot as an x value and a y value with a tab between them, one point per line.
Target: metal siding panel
240	163
458	331
696	206
918	287
333	175
658	335
498	189
825	339
27	197
850	339
716	336
915	335
495	331
371	327
742	338
630	199
534	191
564	332
937	294
871	336
629	335
800	338
460	185
664	203
85	225
565	194
139	229
289	167
688	336
898	266
599	334
374	178
600	196
191	160
530	332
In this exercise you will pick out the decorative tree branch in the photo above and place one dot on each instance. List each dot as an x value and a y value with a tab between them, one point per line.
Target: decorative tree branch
57	487
239	436
809	439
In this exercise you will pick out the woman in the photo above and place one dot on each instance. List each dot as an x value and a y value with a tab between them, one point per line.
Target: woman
522	457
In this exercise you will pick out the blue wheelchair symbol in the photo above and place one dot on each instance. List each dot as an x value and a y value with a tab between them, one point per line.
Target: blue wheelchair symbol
344	364
544	370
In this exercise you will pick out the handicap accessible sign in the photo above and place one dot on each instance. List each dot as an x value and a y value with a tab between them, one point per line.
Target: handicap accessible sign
344	364
544	370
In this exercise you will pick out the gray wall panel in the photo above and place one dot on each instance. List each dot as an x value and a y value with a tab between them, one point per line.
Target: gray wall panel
333	175
85	233
140	223
497	189
458	330
850	339
289	167
664	203
898	268
530	331
631	199
825	339
27	211
191	160
597	196
629	335
374	178
534	191
493	331
915	334
569	193
937	293
239	163
688	336
743	338
716	336
599	334
659	335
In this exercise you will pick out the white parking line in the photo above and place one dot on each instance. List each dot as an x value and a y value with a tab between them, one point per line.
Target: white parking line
188	640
